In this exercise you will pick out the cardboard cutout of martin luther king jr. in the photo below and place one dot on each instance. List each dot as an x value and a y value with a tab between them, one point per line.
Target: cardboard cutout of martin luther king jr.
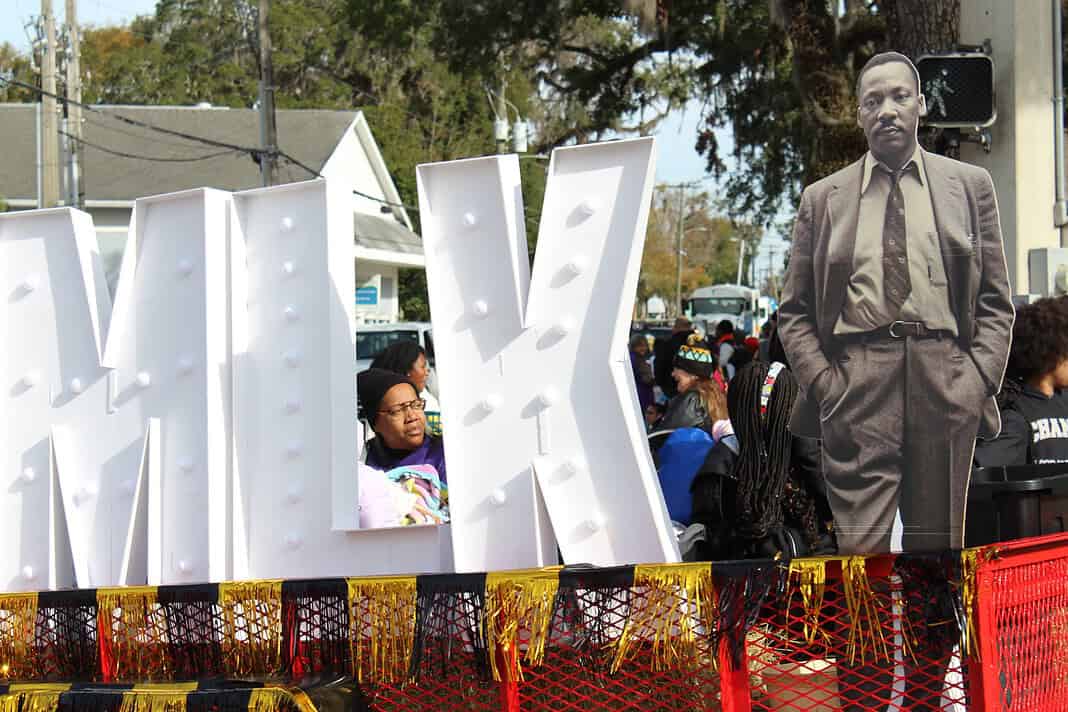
896	318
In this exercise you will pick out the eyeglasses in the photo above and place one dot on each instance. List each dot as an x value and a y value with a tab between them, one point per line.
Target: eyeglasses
417	405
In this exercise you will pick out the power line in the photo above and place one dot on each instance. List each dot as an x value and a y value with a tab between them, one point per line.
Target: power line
156	159
135	122
256	153
317	174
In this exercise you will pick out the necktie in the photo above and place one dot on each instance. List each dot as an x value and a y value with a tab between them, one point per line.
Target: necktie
896	282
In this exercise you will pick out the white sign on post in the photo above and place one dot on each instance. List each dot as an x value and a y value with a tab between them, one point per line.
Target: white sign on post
533	370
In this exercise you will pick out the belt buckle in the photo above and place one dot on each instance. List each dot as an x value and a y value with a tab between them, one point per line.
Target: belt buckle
894	334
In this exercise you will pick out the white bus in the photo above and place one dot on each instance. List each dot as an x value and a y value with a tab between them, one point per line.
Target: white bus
743	306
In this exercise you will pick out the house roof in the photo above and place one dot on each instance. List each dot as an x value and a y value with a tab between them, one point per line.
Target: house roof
160	163
122	162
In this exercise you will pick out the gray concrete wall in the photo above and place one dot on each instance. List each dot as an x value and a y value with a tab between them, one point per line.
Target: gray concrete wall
1021	159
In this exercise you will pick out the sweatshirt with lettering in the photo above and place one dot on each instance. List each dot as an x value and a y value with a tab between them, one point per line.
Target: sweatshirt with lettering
1034	430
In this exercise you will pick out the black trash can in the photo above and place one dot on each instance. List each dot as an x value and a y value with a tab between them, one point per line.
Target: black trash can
1007	503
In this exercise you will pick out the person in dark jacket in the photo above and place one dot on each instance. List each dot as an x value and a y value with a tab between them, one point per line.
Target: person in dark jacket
665	350
700	401
392	406
1034	397
643	372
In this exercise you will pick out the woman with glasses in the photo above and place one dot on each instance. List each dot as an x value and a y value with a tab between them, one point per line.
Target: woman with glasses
408	358
391	405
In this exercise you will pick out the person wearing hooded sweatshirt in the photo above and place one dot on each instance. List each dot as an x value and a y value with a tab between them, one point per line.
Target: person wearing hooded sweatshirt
1034	397
392	406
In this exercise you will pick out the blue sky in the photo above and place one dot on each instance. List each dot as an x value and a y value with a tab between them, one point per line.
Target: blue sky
677	161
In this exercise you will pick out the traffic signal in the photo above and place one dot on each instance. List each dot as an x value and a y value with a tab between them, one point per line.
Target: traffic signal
959	88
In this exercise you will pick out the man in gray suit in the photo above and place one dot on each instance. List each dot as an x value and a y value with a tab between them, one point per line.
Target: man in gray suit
896	318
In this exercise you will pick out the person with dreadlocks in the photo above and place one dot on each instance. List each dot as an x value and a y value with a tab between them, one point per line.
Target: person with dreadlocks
764	494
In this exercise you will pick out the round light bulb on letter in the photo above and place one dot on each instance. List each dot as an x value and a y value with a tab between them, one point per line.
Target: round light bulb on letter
185	366
76	386
292	358
32	378
185	566
28	475
588	207
548	397
287	224
499	497
480	308
32	282
144	379
577	265
470	220
292	406
565	326
28	573
491	402
290	313
185	268
288	268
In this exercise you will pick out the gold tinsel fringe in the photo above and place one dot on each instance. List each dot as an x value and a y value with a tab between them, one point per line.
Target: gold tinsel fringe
969	567
674	601
810	577
33	697
865	627
515	600
153	698
125	620
279	699
252	626
18	619
382	627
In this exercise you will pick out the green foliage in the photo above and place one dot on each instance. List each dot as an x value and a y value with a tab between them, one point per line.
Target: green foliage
414	303
18	67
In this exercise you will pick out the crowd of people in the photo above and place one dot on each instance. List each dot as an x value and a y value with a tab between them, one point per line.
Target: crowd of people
725	457
718	410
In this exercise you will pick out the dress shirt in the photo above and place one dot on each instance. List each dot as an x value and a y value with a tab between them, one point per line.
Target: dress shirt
865	307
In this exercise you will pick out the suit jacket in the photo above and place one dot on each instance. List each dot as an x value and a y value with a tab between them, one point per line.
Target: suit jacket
821	264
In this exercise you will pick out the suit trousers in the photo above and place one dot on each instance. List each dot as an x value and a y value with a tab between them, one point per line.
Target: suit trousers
899	422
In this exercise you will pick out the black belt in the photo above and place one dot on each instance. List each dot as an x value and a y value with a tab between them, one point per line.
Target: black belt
896	330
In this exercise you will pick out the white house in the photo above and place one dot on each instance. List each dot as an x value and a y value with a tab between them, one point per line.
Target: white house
122	161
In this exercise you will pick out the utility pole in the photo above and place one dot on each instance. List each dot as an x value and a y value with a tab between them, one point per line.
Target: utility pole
268	128
49	128
74	106
771	271
678	250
